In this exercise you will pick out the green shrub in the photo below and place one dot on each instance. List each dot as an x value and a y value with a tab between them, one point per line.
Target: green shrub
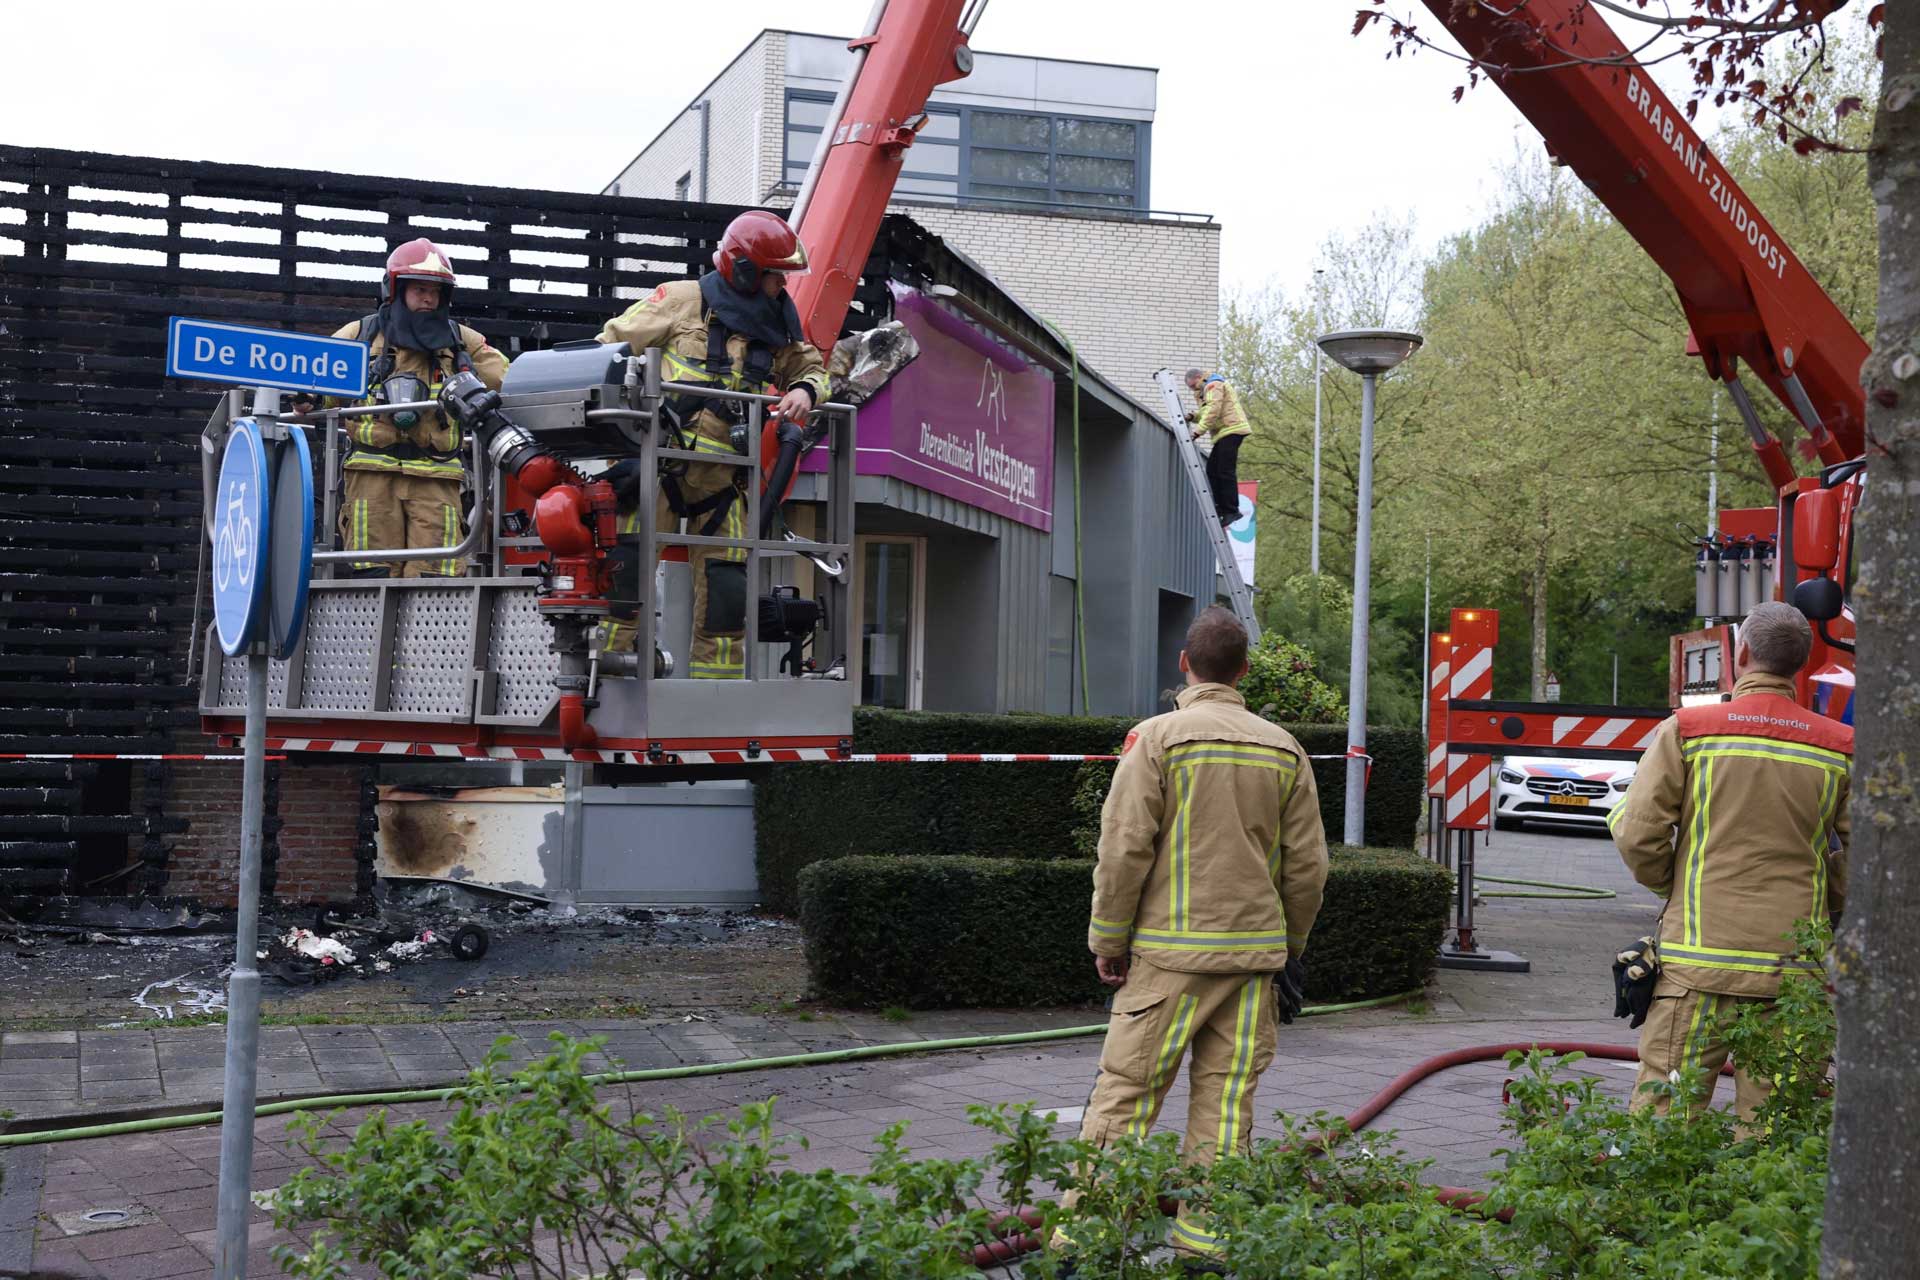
952	931
941	932
805	813
1283	675
1380	924
534	1174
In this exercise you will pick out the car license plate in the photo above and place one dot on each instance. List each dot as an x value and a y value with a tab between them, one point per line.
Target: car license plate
1571	802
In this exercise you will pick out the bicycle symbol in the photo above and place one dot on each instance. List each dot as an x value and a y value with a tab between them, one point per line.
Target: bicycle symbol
233	543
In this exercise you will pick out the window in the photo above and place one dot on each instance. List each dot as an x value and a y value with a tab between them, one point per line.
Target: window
1001	157
932	165
682	186
1059	160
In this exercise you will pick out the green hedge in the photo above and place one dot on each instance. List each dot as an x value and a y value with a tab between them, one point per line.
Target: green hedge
958	931
804	813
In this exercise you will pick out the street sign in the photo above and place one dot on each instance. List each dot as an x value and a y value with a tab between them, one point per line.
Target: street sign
265	358
237	527
290	558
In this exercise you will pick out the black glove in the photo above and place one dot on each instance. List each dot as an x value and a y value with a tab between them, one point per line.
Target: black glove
1290	989
624	476
1634	972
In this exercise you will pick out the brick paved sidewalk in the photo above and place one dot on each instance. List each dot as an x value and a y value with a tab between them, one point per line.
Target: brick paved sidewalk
166	1180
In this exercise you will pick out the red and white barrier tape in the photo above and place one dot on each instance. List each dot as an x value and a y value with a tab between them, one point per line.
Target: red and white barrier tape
120	755
956	757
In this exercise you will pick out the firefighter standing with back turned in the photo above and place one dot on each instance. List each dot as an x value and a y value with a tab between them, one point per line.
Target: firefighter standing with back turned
1737	816
1211	865
403	471
736	328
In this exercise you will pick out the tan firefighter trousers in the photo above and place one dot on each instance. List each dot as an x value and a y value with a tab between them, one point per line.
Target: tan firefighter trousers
1686	1028
388	510
1227	1022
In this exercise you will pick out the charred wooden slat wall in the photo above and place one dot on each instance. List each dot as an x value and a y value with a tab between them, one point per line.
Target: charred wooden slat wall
100	540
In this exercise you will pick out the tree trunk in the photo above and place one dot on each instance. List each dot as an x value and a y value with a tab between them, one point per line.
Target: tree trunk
1871	1227
1539	618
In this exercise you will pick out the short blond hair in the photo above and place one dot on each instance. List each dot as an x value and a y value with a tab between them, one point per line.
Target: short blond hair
1778	637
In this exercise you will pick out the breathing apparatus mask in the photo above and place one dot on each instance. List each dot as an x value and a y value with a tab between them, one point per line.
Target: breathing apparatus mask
402	388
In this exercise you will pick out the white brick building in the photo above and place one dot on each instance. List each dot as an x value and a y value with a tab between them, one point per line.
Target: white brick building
1038	169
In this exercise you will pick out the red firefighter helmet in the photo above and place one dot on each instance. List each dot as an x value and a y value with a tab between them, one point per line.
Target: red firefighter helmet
418	260
758	241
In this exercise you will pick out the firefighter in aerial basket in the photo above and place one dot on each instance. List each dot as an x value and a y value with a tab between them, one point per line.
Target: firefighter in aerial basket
403	471
734	328
1211	866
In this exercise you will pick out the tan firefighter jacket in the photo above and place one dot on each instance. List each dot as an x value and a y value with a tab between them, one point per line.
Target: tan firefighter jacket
1220	412
1738	817
1212	858
431	447
674	318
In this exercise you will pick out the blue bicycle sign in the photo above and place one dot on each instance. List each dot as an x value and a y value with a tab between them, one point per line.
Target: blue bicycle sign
239	531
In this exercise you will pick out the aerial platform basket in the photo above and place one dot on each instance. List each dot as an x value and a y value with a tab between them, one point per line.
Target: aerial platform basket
475	667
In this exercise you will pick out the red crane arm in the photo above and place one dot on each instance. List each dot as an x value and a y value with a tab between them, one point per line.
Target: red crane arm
1745	295
911	46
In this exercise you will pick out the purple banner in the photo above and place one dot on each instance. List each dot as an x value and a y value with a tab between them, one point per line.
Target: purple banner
971	419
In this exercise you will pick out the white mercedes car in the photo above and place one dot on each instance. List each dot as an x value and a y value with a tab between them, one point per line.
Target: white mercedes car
1540	789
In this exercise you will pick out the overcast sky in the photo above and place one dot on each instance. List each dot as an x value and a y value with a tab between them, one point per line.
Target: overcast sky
1271	116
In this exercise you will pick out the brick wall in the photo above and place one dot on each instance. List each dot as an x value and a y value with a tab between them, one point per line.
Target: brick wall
1133	295
318	810
740	98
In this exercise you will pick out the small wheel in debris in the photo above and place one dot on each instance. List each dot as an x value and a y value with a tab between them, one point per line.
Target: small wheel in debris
470	942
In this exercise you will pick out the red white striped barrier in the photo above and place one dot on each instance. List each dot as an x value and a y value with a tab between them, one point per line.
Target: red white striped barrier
1629	733
1439	669
1469	781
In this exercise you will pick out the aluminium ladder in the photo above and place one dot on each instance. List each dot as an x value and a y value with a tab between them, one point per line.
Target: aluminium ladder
1237	590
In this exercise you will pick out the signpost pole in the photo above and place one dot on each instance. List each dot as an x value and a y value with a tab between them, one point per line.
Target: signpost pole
243	988
243	992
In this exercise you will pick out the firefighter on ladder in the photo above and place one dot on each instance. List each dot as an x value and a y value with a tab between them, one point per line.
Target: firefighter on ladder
1211	866
403	472
734	328
1223	421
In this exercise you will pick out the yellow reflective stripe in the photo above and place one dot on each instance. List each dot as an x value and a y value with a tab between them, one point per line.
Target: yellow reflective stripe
1249	749
1272	942
1172	1045
449	537
1731	966
707	444
1109	928
1674	948
1234	1096
735	527
1829	801
1181	853
1696	855
1777	756
1722	741
1692	1046
1194	1238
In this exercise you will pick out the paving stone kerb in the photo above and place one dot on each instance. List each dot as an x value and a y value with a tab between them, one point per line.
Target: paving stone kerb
46	1074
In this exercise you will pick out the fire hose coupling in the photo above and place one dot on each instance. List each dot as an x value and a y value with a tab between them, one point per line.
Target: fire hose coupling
475	406
574	731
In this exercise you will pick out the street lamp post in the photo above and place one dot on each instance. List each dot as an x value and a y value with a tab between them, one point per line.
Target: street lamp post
1369	353
1314	554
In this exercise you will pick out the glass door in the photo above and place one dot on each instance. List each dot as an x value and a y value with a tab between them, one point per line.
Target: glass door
890	603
